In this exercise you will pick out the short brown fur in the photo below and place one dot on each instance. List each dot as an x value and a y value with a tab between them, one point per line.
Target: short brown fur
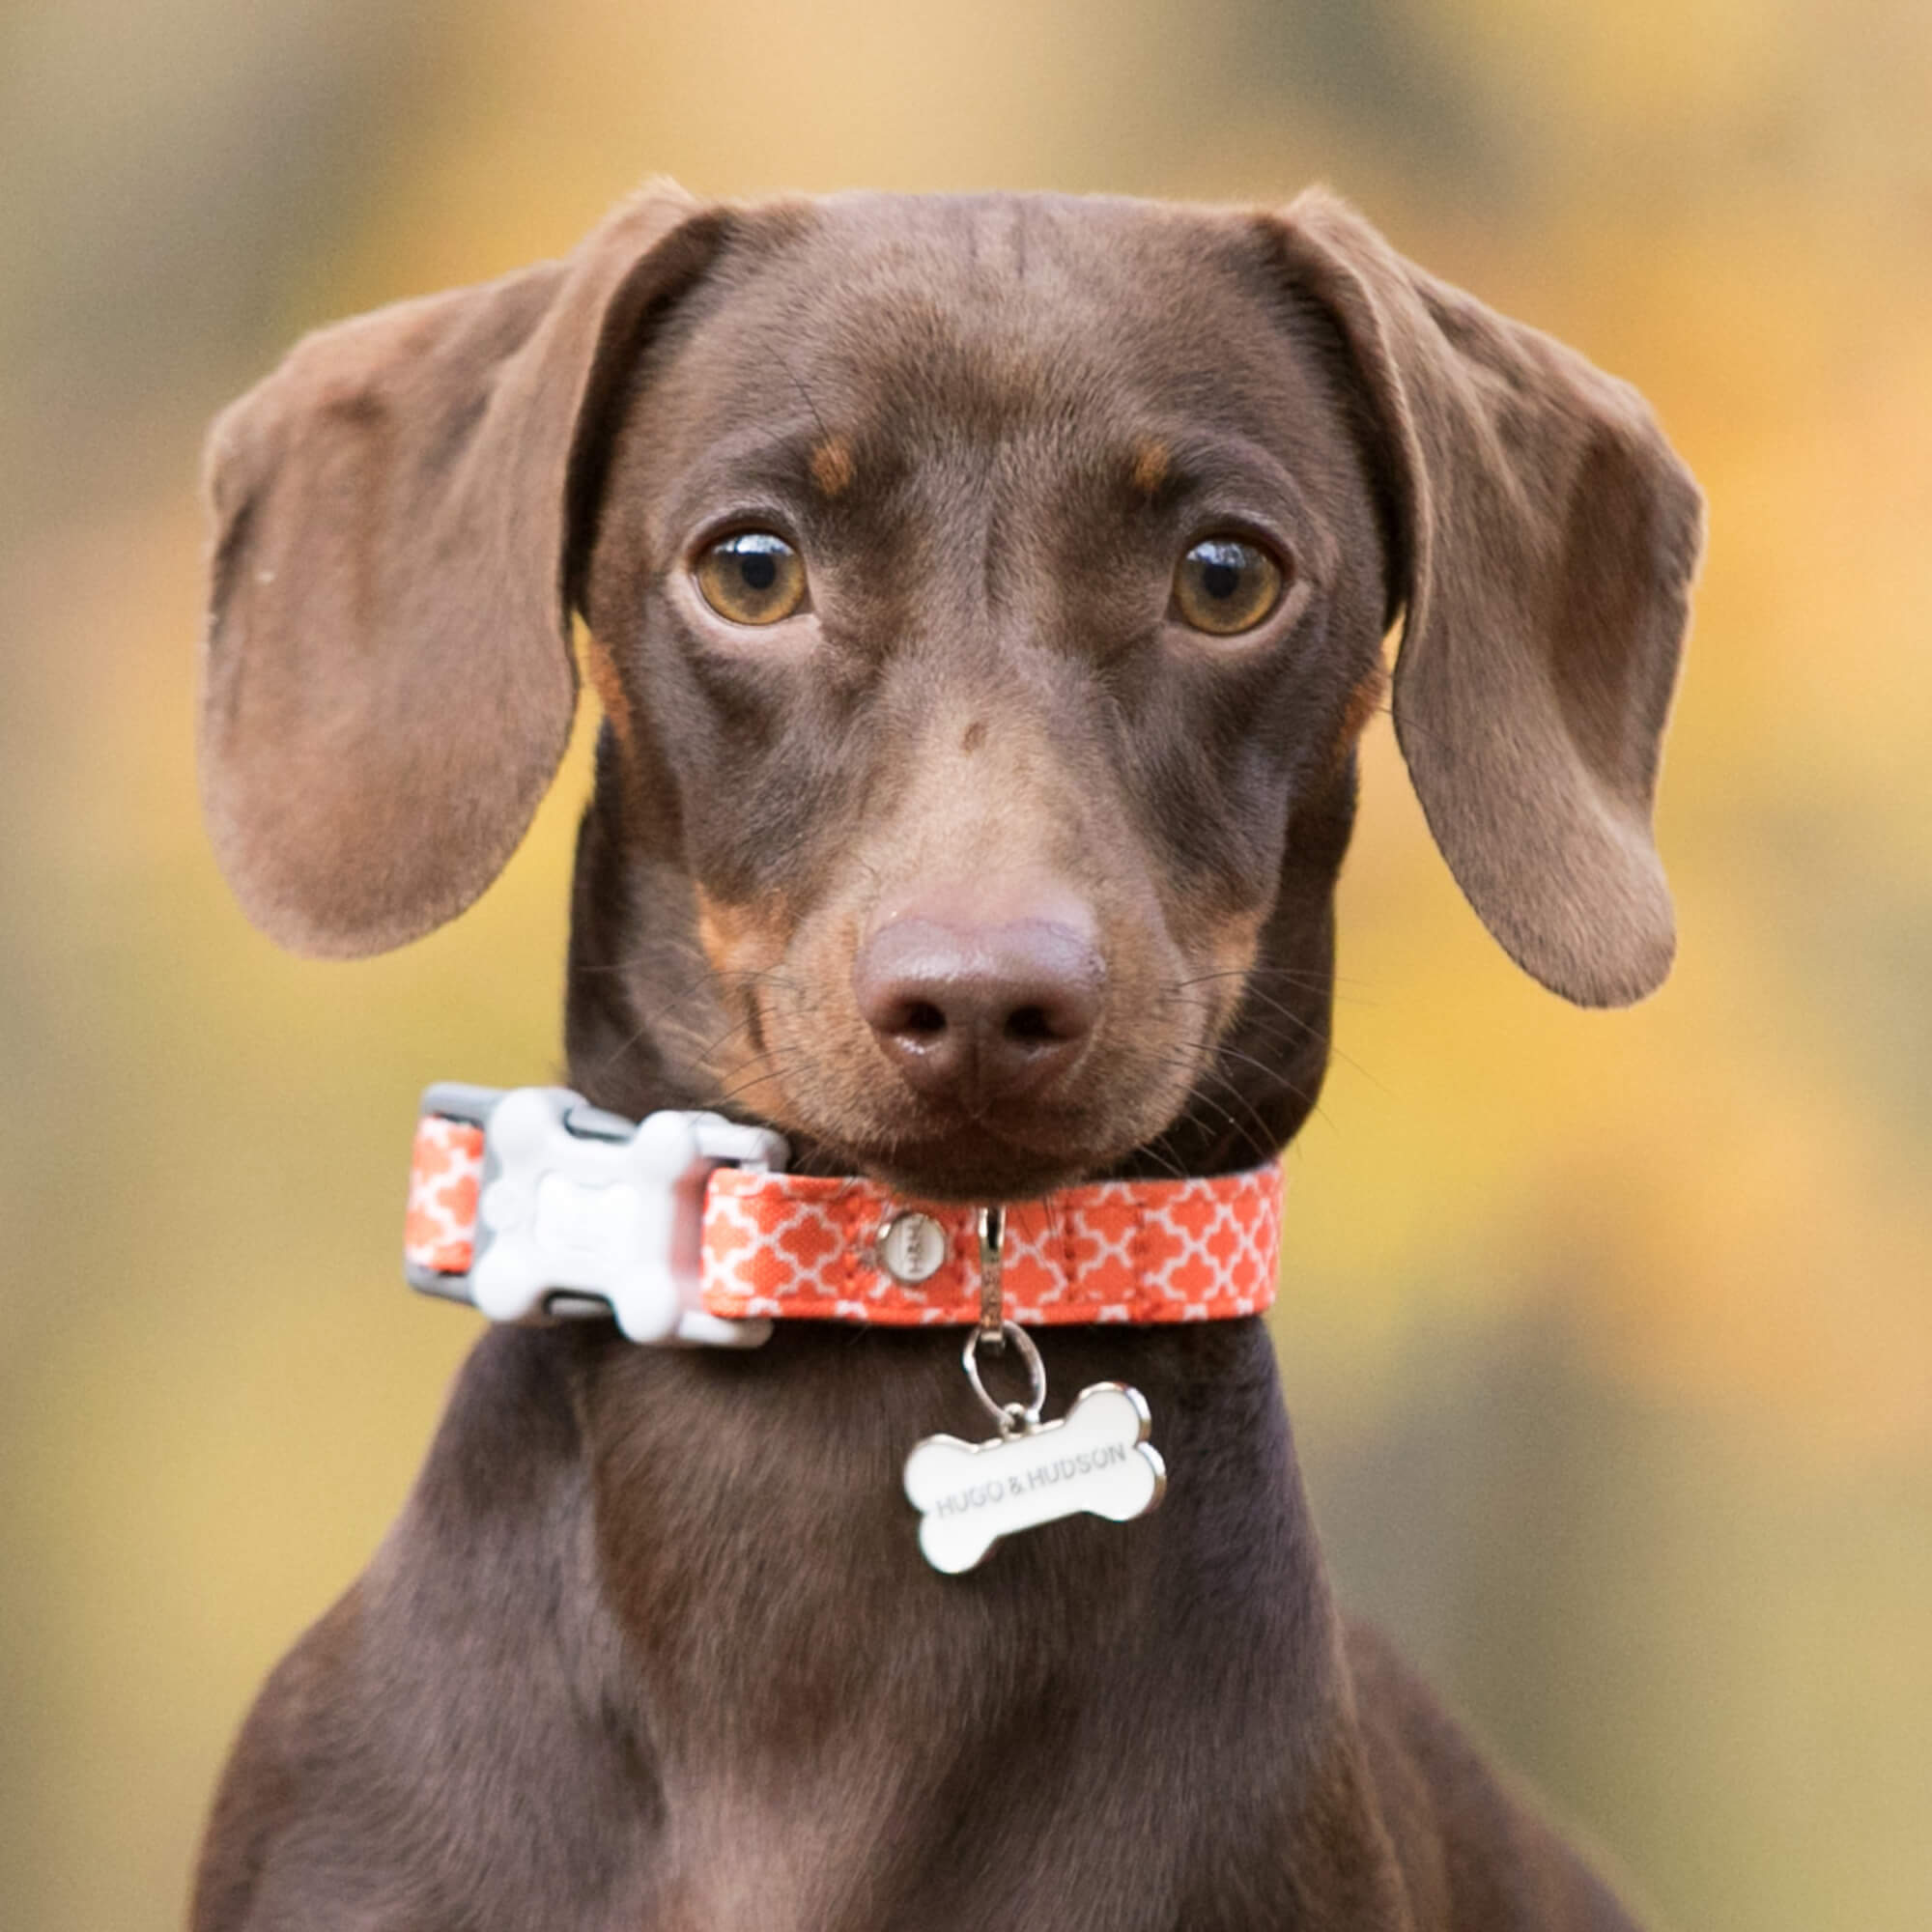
1364	701
652	1644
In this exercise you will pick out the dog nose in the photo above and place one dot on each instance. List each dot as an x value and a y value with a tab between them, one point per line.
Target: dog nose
979	1013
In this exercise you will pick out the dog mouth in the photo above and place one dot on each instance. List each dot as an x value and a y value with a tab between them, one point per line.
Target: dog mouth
944	1105
1003	1153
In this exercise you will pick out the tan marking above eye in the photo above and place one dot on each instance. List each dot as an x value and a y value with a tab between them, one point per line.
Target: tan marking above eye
752	577
1149	471
831	465
1226	585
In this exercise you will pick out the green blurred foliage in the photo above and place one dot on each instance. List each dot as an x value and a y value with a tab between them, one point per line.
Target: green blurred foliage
1606	1337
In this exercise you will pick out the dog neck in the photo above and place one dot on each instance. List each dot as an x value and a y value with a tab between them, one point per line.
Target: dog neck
816	1691
755	1547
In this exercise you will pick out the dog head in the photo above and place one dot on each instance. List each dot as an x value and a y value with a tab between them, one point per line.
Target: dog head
985	596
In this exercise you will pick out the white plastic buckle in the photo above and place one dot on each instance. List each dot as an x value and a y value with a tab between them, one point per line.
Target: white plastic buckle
584	1213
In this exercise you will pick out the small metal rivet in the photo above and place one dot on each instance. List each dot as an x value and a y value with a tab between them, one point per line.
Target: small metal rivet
912	1247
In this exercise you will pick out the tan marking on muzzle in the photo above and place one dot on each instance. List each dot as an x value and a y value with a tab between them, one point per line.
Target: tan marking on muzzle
741	938
1233	945
743	943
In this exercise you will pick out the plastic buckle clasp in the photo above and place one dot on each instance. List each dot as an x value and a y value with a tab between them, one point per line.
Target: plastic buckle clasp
581	1212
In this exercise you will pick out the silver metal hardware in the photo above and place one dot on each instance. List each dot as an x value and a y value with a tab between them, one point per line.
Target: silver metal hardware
1096	1459
910	1246
1014	1418
993	1323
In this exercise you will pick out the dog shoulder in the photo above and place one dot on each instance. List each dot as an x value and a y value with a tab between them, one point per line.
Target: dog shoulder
266	1787
429	1754
1475	1852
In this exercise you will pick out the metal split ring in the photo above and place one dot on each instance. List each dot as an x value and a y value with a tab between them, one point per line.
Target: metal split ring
1013	1417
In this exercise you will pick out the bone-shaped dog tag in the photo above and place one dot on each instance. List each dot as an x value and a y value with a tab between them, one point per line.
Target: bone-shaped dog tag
1095	1459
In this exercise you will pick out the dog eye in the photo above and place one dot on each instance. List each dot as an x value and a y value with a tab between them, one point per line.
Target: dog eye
1226	585
753	578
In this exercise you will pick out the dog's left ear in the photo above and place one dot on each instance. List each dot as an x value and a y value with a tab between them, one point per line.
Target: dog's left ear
1548	536
387	677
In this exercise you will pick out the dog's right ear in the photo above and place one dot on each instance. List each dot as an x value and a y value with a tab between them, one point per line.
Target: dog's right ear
387	677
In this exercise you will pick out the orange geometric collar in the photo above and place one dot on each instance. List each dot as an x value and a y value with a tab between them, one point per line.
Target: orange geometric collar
797	1245
685	1228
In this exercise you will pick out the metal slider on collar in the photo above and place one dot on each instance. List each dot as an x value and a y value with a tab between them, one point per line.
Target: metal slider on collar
992	1329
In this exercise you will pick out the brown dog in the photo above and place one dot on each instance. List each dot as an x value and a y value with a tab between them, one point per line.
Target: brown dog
985	596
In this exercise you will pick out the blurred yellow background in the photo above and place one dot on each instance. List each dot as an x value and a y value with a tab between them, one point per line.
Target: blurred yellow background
1607	1338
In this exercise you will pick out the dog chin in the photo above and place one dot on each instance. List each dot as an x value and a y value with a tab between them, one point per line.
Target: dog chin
976	1164
993	1177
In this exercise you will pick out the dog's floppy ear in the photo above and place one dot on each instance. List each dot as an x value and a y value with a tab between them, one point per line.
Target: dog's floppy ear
1547	537
387	678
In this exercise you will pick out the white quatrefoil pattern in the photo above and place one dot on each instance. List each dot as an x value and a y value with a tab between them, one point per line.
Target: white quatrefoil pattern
803	1246
445	1173
806	1247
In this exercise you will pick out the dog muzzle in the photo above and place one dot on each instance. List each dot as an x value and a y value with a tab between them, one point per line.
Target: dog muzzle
685	1228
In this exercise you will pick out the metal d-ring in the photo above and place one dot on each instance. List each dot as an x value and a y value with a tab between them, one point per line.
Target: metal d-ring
1013	1417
